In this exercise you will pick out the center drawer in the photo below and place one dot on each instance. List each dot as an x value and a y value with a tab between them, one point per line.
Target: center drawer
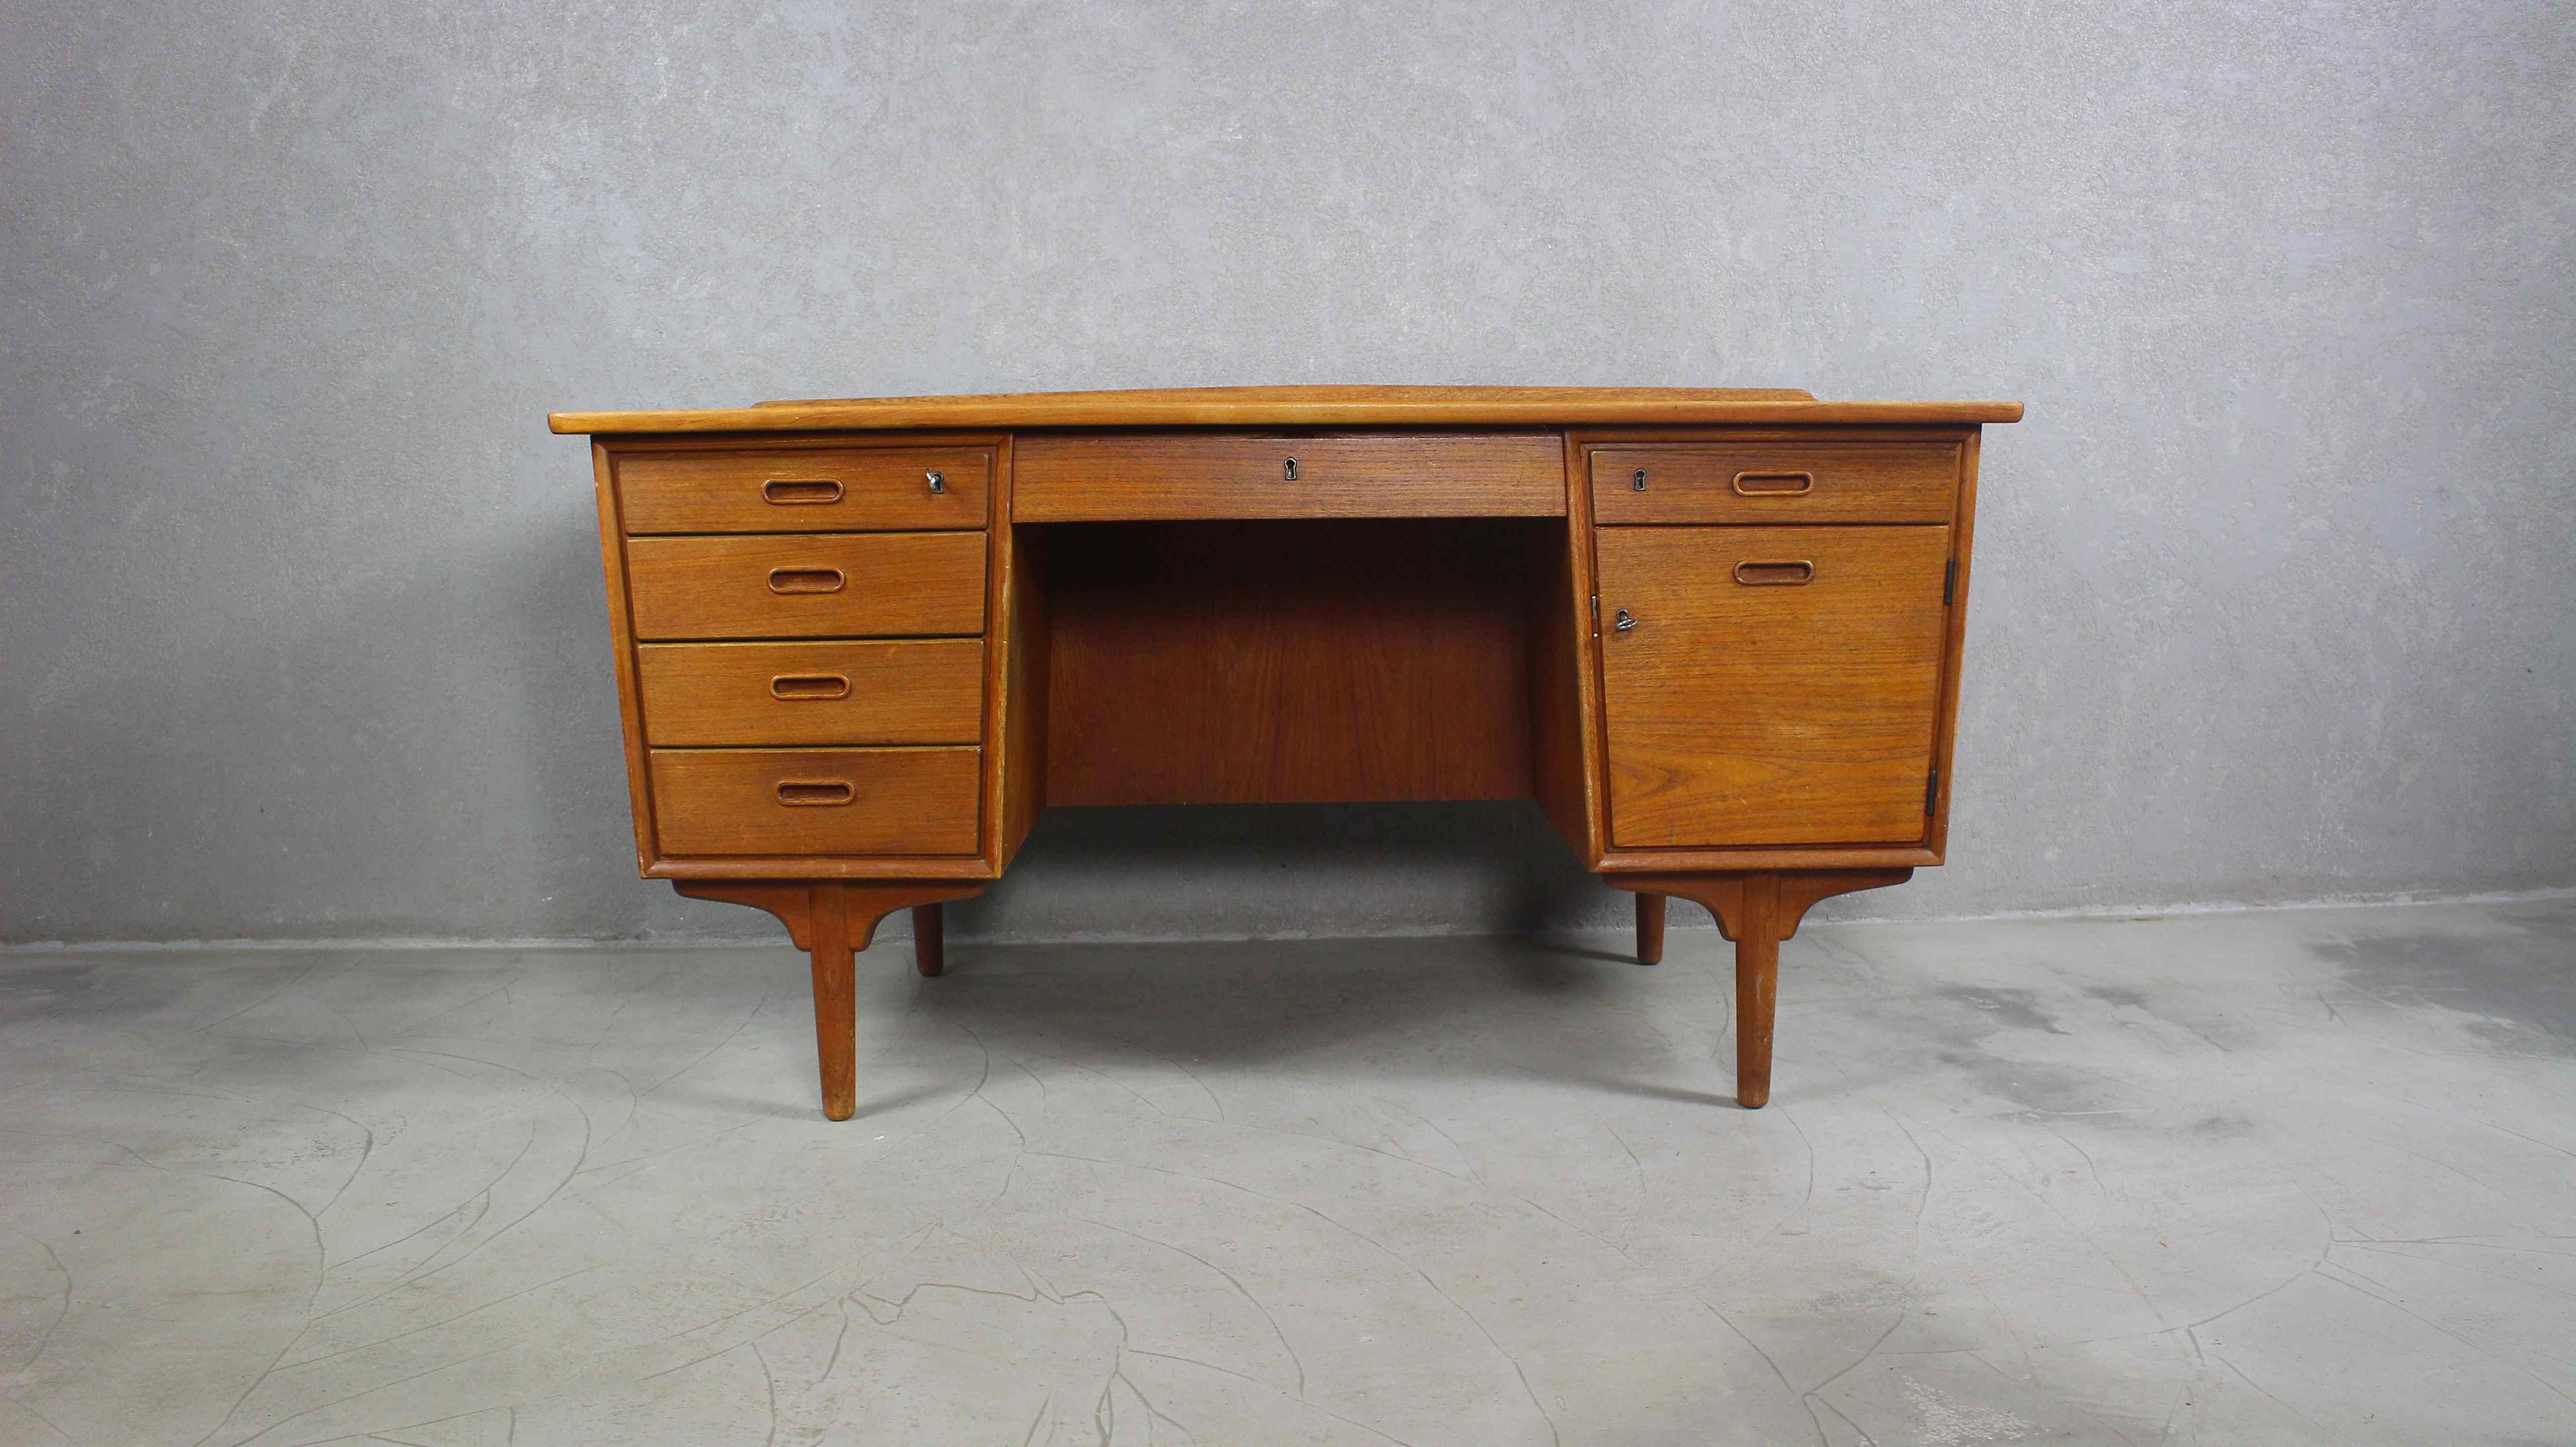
806	587
868	691
1095	477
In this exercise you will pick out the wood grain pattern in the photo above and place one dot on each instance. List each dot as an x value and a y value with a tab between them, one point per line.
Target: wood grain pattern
1017	693
1728	481
898	801
883	691
1094	477
1954	640
853	867
1363	406
721	587
1767	856
804	490
1584	602
1560	744
1771	715
1289	662
1562	735
621	627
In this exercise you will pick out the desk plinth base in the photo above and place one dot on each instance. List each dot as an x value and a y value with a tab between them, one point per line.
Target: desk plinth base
831	920
1757	910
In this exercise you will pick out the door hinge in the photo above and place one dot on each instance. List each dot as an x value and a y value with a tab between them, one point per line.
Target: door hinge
1931	791
1596	615
1949	582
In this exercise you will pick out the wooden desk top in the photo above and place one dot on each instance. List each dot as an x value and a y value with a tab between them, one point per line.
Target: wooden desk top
1297	407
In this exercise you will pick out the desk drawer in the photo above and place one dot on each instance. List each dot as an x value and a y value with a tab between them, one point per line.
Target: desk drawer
819	801
805	490
785	587
902	691
1103	476
1824	481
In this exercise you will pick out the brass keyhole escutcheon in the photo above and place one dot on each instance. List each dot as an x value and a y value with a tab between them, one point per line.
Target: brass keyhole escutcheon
1290	471
1637	483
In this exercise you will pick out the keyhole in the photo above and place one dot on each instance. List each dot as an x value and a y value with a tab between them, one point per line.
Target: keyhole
1638	482
1291	469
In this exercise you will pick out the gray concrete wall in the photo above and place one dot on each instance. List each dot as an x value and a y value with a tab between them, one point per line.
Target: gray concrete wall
301	629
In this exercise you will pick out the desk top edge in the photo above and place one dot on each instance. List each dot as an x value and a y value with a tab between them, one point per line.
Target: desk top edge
1293	407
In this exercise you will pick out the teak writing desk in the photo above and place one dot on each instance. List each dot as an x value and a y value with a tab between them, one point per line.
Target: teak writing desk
860	644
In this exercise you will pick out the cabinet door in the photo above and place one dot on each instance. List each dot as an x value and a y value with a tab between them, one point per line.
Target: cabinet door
1778	685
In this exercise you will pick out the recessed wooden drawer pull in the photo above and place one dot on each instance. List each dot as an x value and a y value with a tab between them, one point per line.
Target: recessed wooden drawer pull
1774	574
791	491
792	686
806	580
814	793
1774	484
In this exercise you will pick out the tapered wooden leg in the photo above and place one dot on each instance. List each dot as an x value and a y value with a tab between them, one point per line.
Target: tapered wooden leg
836	1006
1650	929
929	953
832	920
1757	909
1757	988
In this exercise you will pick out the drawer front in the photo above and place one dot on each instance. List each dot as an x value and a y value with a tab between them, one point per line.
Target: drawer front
785	587
915	691
805	490
1828	481
1103	476
818	801
1771	685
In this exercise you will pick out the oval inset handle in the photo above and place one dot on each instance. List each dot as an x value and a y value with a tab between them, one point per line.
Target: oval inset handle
793	686
806	580
793	491
1774	484
1774	575
814	793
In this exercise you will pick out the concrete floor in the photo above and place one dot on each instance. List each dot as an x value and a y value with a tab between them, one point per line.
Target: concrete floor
2266	1178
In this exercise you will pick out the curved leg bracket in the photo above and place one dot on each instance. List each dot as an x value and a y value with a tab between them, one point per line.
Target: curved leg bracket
1757	909
831	920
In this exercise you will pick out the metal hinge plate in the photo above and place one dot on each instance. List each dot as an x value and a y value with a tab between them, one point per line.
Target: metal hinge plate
1931	791
1949	582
